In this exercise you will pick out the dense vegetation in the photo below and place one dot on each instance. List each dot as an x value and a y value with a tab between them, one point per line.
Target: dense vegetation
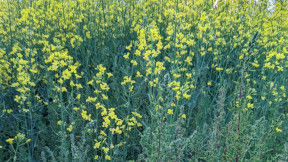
153	80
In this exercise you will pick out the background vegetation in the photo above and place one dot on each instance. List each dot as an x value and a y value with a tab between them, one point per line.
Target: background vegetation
152	80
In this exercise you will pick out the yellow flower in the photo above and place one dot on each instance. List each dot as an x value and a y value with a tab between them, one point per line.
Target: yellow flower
107	157
104	97
255	64
249	97
219	69
63	89
134	62
129	47
78	96
70	128
60	81
188	75
250	105
278	130
28	140
96	157
66	74
159	67
186	96
90	82
105	149
76	108
91	99
97	145
131	88
88	35
10	140
109	75
170	111
59	122
263	98
138	74
104	86
183	116
85	116
137	114
9	111
209	83
126	56
173	104
103	133
72	84
79	86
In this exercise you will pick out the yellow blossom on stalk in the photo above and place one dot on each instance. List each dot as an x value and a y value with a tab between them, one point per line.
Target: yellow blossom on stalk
72	84
66	74
170	111
186	96
131	88
188	75
137	114
250	105
219	69
104	97
107	157
10	140
103	133
134	62
78	86
159	67
104	86
173	104
138	74
88	35
256	65
209	83
59	122
109	75
129	47
249	97
85	116
127	80
126	56
63	89
278	130
90	82
9	111
176	76
70	128
97	145
105	149
148	71
183	116
91	99
78	96
75	108
28	140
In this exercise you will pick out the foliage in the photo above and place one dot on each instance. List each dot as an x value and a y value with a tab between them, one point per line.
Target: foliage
166	80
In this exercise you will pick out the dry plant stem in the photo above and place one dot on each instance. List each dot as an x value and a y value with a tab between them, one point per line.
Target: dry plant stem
159	141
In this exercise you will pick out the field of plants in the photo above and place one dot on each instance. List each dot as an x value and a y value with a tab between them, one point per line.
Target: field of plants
143	80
